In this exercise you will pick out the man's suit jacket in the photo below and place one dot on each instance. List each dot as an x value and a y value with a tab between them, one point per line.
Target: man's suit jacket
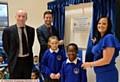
43	35
11	44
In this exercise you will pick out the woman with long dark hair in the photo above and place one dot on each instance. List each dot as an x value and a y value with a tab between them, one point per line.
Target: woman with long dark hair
106	49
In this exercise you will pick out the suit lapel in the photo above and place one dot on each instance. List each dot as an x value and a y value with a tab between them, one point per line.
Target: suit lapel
16	36
45	31
28	34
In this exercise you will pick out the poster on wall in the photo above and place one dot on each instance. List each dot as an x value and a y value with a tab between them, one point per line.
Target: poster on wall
3	21
3	15
78	20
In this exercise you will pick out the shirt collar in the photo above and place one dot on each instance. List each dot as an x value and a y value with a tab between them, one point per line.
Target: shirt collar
47	26
19	25
56	51
74	61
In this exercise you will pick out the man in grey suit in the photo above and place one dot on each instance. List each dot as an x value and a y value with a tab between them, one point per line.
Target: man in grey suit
45	31
17	42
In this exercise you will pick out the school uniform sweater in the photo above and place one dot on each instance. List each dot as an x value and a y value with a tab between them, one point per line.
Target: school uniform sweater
72	71
52	61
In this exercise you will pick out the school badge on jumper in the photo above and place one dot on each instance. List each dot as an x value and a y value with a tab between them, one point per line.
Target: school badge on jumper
59	57
76	70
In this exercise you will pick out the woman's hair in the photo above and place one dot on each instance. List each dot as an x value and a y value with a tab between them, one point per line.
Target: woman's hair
73	44
109	29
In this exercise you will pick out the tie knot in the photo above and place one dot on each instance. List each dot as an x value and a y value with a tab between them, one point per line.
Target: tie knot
49	29
22	28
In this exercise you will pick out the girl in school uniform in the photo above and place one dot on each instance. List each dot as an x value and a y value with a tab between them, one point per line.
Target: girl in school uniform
52	61
71	69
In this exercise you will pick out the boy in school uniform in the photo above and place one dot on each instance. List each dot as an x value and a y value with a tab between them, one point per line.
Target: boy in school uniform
52	61
71	69
36	63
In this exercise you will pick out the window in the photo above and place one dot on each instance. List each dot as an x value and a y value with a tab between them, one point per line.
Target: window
3	15
3	21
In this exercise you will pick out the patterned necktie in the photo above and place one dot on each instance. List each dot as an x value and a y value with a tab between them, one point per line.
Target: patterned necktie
50	30
24	42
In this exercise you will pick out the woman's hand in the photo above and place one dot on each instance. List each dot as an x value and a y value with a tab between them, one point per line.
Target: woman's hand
93	40
87	65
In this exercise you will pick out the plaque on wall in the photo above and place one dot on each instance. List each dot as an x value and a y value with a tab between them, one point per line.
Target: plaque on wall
78	20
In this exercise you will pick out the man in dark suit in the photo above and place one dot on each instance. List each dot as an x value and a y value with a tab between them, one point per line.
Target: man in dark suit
45	31
17	42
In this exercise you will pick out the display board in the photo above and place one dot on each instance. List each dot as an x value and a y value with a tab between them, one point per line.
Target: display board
78	20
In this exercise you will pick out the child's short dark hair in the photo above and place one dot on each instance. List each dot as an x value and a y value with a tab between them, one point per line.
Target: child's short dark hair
73	44
1	55
36	72
47	12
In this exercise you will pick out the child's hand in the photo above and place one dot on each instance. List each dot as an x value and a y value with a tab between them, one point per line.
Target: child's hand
52	76
57	76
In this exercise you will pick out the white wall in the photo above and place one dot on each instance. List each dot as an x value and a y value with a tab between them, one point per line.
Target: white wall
35	9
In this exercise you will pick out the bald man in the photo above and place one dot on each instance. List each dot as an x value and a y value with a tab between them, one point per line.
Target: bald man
17	42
